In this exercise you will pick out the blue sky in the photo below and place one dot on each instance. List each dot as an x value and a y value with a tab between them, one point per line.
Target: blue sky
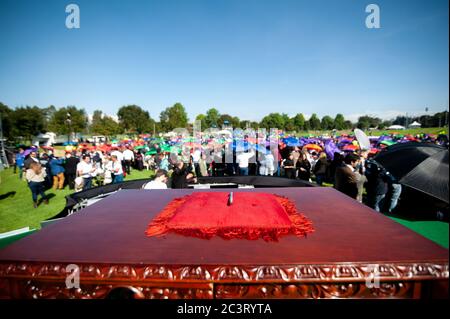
244	57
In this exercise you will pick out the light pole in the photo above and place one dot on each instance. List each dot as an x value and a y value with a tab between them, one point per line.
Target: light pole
69	122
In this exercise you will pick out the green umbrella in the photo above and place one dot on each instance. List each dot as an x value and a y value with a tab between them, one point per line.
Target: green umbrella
151	152
388	143
139	147
165	148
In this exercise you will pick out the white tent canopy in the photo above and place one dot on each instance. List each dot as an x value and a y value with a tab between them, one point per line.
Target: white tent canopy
415	124
396	127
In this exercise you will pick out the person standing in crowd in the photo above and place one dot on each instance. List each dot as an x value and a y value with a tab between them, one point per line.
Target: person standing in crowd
116	169
267	167
139	161
85	171
19	162
163	162
320	169
304	166
393	194
203	166
376	186
182	175
44	160
345	178
35	176
71	169
32	158
128	158
288	166
337	161
57	170
107	170
242	160
361	175
296	155
196	156
159	182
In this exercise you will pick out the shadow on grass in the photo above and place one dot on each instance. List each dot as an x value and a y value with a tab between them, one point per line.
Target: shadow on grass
7	195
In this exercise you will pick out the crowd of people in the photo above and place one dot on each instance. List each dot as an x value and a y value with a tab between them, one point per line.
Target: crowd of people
349	169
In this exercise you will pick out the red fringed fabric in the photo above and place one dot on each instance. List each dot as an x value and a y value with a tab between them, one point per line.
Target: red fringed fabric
250	216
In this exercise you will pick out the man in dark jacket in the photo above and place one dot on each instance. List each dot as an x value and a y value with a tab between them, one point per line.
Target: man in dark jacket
71	170
345	177
182	175
376	185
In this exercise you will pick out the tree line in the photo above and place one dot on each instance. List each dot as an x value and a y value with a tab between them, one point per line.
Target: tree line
26	122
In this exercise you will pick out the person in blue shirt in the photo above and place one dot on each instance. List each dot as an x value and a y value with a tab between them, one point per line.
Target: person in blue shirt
57	170
20	161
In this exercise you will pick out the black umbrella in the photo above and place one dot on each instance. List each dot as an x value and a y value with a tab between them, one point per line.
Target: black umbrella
421	166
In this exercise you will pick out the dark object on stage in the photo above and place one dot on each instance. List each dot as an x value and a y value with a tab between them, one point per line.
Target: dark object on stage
421	166
257	181
76	201
351	242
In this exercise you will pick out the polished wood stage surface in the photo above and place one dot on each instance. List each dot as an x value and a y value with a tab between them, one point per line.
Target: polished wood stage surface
351	242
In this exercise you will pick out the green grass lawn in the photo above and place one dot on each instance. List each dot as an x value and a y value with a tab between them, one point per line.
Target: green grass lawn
16	206
16	209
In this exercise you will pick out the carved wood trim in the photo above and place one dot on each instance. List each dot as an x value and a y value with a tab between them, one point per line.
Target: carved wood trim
348	272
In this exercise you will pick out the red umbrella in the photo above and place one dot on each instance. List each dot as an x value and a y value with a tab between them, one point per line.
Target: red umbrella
350	147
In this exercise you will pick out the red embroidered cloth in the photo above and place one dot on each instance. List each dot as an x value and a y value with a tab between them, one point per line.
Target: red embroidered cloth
250	216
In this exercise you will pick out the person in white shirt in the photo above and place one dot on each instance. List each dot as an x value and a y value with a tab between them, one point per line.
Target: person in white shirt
116	169
160	181
128	158
118	154
267	165
196	156
242	160
85	169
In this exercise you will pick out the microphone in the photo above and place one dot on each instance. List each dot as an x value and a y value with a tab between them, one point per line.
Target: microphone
230	199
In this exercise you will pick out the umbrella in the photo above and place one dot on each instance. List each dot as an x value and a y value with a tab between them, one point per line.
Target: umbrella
387	142
350	147
422	166
28	151
314	147
330	149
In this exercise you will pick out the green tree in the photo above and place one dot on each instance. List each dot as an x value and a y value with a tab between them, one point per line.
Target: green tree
5	117
174	117
348	125
27	122
59	120
104	125
212	118
133	119
339	122
299	122
48	114
273	120
327	123
314	122
366	121
202	119
231	120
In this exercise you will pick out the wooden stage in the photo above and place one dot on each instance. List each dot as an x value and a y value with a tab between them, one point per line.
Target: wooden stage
351	242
